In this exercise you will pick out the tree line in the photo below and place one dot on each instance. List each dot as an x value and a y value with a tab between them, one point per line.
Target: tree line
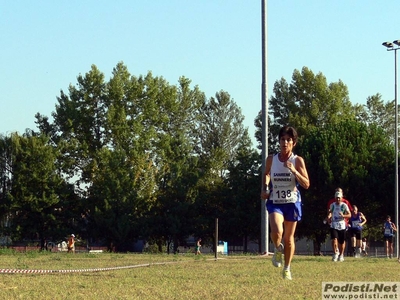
136	158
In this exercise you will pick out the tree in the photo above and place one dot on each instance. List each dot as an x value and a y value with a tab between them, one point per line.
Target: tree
239	222
120	195
110	133
220	132
308	102
144	119
5	182
379	113
351	155
36	193
176	162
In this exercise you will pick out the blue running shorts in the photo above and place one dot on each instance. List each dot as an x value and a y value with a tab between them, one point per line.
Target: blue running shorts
291	211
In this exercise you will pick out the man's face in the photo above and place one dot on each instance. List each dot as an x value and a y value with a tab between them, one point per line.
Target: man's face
338	199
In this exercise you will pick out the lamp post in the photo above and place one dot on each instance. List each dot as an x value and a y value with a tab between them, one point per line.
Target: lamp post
264	112
390	47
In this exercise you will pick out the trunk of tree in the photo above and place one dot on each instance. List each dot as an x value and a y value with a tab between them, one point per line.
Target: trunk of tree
245	244
317	241
317	247
159	244
176	244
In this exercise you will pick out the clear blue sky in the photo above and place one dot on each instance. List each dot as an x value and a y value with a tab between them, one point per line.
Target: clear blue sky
46	44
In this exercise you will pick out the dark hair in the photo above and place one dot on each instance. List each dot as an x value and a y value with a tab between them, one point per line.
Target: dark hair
289	130
388	217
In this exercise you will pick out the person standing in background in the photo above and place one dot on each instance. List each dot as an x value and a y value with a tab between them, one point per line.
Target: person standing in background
364	247
389	229
71	243
198	246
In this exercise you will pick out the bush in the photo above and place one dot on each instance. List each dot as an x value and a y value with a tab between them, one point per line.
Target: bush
153	248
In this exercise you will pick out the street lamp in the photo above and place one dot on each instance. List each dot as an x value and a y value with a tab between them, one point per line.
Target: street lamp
390	47
264	112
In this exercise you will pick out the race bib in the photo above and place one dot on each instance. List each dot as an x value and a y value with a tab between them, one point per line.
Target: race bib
338	225
282	196
388	231
355	223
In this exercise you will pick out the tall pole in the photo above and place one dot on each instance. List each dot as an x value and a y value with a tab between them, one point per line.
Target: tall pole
216	238
396	142
264	116
390	47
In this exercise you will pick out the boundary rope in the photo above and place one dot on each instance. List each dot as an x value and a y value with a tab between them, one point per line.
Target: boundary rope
27	271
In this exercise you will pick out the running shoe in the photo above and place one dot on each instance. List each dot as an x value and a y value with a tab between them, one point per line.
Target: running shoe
335	257
287	275
277	258
341	258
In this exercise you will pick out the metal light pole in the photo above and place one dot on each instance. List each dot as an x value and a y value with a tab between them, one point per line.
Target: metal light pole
264	113
390	47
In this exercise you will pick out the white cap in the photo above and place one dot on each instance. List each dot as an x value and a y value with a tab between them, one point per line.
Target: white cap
73	235
338	195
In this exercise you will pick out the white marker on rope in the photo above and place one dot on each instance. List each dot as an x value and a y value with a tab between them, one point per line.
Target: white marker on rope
25	271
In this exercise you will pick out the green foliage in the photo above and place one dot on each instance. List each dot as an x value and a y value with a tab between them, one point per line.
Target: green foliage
120	194
35	203
220	132
239	222
351	155
307	102
140	153
138	158
154	249
379	113
7	251
343	145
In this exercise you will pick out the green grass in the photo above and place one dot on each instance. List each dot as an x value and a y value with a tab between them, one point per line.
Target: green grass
180	276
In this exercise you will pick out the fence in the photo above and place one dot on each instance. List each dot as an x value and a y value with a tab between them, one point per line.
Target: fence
56	249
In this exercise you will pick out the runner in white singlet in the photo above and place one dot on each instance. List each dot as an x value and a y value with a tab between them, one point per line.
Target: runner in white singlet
284	173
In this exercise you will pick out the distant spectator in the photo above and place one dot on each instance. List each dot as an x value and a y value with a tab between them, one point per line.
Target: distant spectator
43	244
198	246
389	228
364	247
71	243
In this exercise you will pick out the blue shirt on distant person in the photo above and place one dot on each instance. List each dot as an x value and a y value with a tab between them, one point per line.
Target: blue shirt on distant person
388	229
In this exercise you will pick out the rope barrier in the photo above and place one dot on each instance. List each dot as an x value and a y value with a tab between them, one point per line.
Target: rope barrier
27	271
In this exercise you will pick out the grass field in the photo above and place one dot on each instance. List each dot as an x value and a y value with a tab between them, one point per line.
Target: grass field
178	276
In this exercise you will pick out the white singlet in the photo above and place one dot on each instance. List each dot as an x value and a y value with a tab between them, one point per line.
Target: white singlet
337	220
284	188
